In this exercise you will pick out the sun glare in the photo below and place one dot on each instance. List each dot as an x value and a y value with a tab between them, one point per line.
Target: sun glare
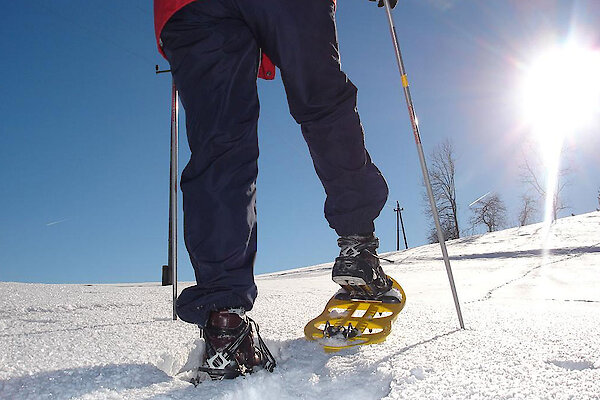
561	95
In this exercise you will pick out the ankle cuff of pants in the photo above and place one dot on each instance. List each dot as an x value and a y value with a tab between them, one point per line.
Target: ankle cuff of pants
194	305
364	229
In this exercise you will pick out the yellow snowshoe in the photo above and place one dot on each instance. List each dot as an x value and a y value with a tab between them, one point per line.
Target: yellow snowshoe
350	320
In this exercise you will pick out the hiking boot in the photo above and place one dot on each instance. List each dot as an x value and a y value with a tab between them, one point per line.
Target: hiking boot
230	349
357	269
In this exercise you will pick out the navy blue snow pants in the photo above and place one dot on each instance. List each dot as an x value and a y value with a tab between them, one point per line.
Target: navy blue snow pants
214	47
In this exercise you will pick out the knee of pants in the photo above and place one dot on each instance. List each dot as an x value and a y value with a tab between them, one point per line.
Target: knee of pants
322	100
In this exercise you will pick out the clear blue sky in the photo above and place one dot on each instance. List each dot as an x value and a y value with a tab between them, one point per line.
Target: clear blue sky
84	133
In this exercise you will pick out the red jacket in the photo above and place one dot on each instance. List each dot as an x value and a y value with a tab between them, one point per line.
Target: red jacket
164	9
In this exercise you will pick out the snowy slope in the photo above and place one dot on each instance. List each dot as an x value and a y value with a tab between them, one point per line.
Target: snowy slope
532	331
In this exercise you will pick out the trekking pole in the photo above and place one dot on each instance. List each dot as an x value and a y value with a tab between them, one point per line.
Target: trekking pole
415	127
172	261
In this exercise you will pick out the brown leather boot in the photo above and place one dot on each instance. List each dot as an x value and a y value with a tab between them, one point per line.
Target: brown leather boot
230	350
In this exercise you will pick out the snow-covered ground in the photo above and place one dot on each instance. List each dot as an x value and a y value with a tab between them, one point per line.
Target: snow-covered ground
532	331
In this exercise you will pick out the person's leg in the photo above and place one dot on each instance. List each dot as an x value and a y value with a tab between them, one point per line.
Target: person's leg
300	38
214	59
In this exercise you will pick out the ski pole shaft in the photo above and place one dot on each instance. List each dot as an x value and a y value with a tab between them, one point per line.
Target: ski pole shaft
415	127
173	193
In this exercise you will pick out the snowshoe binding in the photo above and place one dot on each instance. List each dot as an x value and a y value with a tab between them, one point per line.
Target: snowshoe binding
230	349
363	311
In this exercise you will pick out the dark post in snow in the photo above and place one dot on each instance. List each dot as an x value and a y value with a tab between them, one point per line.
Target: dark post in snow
399	222
170	277
403	230
417	136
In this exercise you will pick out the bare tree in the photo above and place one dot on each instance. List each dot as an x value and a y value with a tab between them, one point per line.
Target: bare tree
442	175
490	212
448	231
528	210
530	175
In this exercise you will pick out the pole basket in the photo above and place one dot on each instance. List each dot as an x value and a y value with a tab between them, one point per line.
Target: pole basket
167	276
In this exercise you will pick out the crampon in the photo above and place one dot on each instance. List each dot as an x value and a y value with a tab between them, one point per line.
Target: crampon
351	318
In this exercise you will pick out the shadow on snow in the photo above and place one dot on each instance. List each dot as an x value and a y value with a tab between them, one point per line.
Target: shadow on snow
75	382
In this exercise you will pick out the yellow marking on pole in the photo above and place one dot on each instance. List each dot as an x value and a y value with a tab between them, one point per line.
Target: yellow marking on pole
404	81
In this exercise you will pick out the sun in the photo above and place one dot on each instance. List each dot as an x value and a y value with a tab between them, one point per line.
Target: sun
561	94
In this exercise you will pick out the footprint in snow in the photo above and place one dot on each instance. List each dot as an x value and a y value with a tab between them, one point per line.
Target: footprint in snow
572	365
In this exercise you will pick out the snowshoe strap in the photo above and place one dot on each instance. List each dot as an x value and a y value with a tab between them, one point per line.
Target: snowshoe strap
218	363
381	258
352	246
268	362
